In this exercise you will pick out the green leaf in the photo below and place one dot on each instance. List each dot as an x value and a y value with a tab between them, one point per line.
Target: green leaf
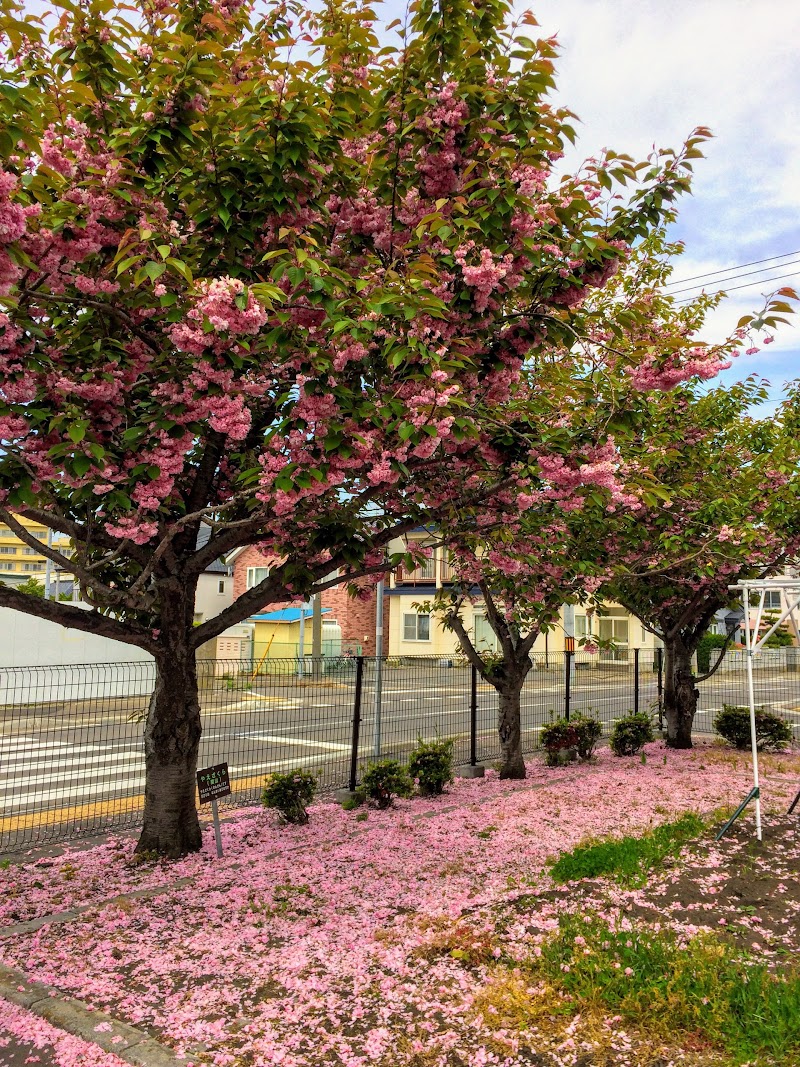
76	431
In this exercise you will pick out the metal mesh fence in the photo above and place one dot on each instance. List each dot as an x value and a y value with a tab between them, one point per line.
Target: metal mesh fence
71	753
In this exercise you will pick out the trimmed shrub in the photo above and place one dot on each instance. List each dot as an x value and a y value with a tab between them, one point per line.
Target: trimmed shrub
631	734
589	731
708	651
733	724
557	738
289	794
383	781
431	763
580	734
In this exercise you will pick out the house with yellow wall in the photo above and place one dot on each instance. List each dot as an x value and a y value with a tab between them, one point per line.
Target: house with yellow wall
414	631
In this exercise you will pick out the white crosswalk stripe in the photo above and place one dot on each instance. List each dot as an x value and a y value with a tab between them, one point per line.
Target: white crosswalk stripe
37	774
66	771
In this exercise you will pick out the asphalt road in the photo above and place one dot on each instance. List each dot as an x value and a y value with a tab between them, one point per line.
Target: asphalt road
75	764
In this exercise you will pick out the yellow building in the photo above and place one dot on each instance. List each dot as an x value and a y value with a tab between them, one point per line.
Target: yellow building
416	632
19	561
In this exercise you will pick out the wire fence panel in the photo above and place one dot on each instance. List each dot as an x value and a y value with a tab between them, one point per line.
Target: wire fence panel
71	749
71	757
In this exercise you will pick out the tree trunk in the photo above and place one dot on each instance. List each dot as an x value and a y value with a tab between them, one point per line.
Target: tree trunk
510	728
171	740
680	693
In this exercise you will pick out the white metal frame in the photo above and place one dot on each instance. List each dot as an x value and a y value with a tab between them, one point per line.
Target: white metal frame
753	643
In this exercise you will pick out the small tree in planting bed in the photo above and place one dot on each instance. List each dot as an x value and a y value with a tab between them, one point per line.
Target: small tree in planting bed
286	293
724	510
556	548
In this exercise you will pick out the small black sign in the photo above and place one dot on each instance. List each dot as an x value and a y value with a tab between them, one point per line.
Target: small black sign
213	783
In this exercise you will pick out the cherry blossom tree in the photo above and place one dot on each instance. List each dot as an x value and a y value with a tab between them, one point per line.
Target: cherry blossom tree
722	508
522	593
624	343
258	270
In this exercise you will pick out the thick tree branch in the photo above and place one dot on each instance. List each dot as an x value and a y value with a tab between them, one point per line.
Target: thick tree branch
64	614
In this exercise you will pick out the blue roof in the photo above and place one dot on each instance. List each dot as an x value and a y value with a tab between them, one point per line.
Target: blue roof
286	615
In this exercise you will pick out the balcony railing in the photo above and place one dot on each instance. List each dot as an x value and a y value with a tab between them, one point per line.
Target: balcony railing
426	575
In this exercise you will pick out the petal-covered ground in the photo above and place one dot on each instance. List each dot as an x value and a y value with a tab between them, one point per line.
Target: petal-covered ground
362	938
27	1039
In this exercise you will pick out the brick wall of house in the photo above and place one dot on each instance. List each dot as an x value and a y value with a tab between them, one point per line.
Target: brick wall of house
249	557
356	617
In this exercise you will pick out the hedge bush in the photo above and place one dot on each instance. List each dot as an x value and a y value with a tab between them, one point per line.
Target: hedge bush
289	794
581	733
431	764
589	731
557	737
383	781
631	734
733	724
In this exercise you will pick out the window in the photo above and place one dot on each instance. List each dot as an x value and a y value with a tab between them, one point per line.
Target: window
416	627
7	550
772	600
256	575
221	588
614	630
39	535
485	637
33	566
30	551
6	566
7	533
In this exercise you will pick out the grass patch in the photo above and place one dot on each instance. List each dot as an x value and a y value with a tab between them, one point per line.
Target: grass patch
702	989
628	859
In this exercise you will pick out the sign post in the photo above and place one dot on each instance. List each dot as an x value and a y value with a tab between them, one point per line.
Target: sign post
213	783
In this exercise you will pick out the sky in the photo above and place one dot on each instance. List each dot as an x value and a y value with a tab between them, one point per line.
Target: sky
645	72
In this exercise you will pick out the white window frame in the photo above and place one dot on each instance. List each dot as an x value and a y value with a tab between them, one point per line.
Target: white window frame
252	581
416	616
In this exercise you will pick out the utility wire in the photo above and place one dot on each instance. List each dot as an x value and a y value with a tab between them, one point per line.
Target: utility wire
736	277
738	266
747	285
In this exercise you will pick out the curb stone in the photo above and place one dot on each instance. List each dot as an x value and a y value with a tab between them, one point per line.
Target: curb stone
136	1047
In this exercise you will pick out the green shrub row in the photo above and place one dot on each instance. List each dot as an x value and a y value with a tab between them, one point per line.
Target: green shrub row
580	734
430	765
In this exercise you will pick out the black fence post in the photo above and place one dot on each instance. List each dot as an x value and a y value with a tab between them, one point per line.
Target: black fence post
636	681
660	668
567	678
473	717
356	723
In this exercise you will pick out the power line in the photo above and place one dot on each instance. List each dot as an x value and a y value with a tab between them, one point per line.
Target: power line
747	285
736	277
738	266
